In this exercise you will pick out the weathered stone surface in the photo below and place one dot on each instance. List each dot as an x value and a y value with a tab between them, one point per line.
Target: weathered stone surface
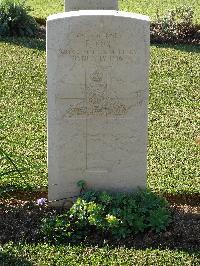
90	4
98	64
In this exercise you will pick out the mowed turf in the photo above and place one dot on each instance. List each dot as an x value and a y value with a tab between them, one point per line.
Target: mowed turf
42	9
44	254
23	112
173	155
174	120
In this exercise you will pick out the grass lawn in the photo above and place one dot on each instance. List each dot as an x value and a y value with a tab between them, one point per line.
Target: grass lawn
173	156
18	254
42	9
23	111
174	120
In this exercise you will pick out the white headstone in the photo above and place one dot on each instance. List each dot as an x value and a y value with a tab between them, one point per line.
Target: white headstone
90	4
98	64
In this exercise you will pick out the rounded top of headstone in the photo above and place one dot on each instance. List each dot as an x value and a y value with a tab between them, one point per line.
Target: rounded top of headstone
97	13
73	5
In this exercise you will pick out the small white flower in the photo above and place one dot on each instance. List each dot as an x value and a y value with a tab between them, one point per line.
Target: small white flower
41	201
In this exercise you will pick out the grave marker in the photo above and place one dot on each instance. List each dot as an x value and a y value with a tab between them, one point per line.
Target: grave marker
90	4
98	63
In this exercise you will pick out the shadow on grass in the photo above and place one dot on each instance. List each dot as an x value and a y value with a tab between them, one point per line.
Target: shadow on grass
20	222
32	43
181	47
10	260
28	193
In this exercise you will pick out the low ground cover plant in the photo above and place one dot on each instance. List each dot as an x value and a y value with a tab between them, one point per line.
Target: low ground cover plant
119	215
15	20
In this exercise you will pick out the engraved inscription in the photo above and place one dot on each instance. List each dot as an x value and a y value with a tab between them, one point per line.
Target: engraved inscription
99	35
99	102
102	55
98	47
100	99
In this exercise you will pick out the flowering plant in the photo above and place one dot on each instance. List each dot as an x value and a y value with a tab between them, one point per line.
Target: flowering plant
41	202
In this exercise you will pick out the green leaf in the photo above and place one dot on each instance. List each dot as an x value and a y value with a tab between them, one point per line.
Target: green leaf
159	219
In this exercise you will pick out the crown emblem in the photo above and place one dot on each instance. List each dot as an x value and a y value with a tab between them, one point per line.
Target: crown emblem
96	76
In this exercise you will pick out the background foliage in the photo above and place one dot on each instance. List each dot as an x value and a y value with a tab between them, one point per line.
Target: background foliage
15	20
